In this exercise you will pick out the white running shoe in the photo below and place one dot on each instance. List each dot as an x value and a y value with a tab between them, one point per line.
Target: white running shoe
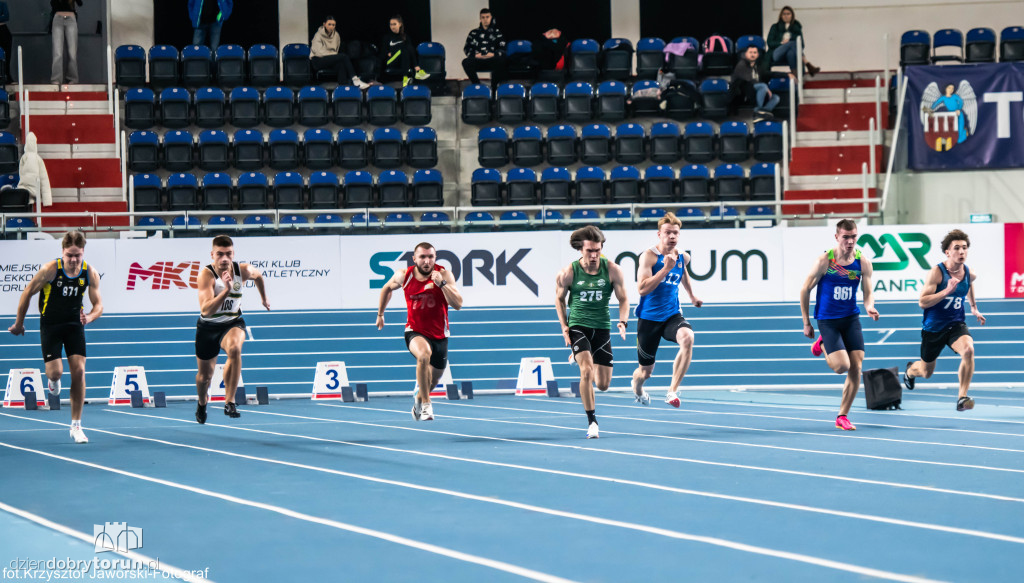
417	408
672	399
592	431
78	436
643	398
54	388
360	83
426	412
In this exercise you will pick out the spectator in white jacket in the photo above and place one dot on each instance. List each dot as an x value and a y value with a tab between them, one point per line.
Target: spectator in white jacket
32	172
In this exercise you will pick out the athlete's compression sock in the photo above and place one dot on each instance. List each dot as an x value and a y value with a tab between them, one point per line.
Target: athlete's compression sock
591	418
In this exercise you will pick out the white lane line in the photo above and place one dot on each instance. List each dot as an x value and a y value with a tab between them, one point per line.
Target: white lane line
536	575
889	333
595	477
248	330
160	564
466	557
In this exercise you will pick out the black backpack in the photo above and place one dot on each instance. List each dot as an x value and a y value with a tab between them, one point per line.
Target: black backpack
882	388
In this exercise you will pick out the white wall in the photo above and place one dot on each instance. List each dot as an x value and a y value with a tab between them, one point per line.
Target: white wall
846	35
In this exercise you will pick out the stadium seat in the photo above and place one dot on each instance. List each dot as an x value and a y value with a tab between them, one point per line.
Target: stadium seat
163	66
295	59
244	107
218	224
544	106
486	187
317	149
521	64
214	151
723	217
643	102
5	109
148	193
264	69
293	222
590	186
617	55
781	86
650	216
421	148
328	224
248	149
561	141
577	102
761	214
431	58
283	150
517	219
182	192
143	151
699	142
618	218
427	188
556	186
548	219
685	66
416	104
1011	44
129	66
229	63
681	104
278	107
217	192
610	101
399	222
521	187
915	48
258	226
381	105
595	144
730	182
695	183
510	103
665	143
767	141
478	221
359	190
435	222
630	144
253	191
650	56
289	190
762	181
691	217
186	226
950	39
745	42
210	107
196	66
584	216
476	104
151	225
393	189
324	191
734	141
980	46
582	60
10	156
660	184
527	146
492	147
716	99
178	151
365	221
624	185
347	105
718	61
353	151
313	108
175	108
387	148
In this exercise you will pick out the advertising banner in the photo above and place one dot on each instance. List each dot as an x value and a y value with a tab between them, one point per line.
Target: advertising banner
21	260
1014	259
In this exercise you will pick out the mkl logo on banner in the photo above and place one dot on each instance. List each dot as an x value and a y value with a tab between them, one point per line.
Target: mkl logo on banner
116	536
165	275
949	115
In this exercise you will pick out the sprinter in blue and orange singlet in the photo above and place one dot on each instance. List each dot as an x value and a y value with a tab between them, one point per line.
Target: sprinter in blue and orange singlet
837	273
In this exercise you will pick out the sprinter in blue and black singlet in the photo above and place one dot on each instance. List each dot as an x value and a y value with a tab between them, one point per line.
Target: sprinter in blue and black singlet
837	274
662	269
62	285
948	287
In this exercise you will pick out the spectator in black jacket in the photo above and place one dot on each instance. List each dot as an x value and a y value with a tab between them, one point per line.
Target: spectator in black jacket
747	81
398	54
485	50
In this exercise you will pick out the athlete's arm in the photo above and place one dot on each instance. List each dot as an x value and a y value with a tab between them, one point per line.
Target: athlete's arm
685	282
451	293
648	279
820	265
619	289
385	296
94	297
930	293
208	301
865	285
974	304
562	282
41	278
251	273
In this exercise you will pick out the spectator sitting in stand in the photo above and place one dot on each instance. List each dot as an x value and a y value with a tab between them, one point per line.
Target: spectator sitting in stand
325	54
782	42
398	54
746	81
485	50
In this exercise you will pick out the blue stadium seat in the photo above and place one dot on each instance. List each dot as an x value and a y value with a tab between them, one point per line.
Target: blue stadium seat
595	144
548	219
980	46
178	151
520	59
182	192
353	150
513	219
278	107
745	42
324	190
492	147
317	149
196	66
630	143
175	108
544	103
665	143
681	105
650	56
730	182
359	190
556	186
294	222
129	66
698	142
143	151
527	146
561	141
148	193
214	151
948	38
186	226
15	225
210	107
347	105
767	141
691	217
723	217
163	66
218	192
618	59
478	221
253	190
431	58
218	224
734	141
416	104
289	190
716	98
1011	44
510	103
5	110
660	184
624	185
328	223
387	148
258	226
521	187
313	107
650	215
248	149
645	96
365	221
762	181
295	58
694	183
283	150
427	188
582	61
151	224
399	221
10	156
244	107
781	86
584	216
577	102
590	186
381	105
435	222
610	101
618	218
421	147
685	66
264	69
476	104
718	61
915	48
486	187
229	62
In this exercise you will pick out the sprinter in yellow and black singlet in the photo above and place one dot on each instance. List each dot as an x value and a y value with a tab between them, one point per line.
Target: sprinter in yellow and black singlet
62	285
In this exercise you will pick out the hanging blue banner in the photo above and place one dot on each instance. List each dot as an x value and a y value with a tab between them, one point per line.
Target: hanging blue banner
965	117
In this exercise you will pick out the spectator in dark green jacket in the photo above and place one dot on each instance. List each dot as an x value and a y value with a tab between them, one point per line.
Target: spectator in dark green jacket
782	42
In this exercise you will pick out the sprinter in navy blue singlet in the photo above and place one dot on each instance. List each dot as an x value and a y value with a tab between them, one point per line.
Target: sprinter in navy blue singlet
947	289
837	274
661	271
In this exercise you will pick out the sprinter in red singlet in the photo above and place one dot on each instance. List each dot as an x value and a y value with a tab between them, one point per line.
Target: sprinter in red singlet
429	290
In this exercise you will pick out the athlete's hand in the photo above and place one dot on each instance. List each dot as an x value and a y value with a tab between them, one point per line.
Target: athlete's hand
17	329
380	321
266	305
808	331
671	259
953	282
873	313
565	335
977	314
622	330
696	301
436	277
82	317
225	276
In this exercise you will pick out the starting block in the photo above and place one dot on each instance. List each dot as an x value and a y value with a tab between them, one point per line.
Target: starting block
128	380
159	399
574	386
216	393
240	398
53	401
262	396
362	394
347	395
452	392
553	389
30	401
467	389
331	381
20	382
534	375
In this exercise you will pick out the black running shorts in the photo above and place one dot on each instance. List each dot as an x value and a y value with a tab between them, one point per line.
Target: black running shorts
841	334
932	343
70	336
209	336
649	334
597	342
438	349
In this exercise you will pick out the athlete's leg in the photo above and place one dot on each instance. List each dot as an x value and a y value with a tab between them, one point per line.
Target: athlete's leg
640	376
204	372
425	374
586	362
684	337
839	361
54	370
922	369
232	345
76	364
602	377
964	346
852	384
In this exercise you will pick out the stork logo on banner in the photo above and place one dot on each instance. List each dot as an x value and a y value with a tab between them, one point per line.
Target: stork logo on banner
949	114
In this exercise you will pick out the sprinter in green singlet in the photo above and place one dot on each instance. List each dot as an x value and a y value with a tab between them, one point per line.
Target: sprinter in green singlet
589	283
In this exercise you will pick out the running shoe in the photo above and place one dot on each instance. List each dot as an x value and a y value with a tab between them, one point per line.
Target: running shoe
201	413
54	388
360	83
672	399
816	347
417	408
908	381
77	435
231	411
843	423
964	403
421	74
426	412
643	398
592	431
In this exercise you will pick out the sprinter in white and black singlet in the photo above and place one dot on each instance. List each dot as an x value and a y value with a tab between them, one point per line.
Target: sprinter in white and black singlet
220	324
